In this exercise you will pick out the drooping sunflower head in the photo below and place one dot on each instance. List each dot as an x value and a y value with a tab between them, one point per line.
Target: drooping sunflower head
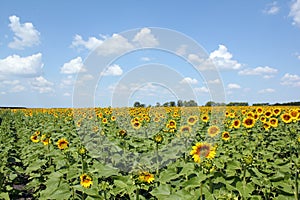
213	131
202	150
86	180
249	122
158	138
62	143
146	177
123	133
225	136
45	140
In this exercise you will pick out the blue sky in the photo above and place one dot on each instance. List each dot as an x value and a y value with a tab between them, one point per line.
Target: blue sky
254	45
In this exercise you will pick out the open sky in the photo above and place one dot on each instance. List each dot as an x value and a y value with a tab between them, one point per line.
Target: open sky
254	45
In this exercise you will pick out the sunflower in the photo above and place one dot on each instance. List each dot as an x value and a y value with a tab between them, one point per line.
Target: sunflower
171	124
104	120
213	131
205	118
45	140
113	118
263	119
146	177
225	135
158	138
86	181
248	122
62	144
268	113
276	111
236	123
266	126
286	118
294	114
273	122
259	110
136	124
185	129
122	133
202	150
192	120
34	138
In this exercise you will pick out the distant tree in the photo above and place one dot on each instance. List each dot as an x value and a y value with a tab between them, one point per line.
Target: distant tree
210	103
136	104
166	104
172	103
157	104
179	103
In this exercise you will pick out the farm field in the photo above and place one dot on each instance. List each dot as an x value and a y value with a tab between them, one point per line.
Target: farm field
185	153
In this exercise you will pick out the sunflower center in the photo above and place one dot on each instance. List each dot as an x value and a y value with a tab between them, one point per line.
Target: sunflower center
203	151
286	117
249	121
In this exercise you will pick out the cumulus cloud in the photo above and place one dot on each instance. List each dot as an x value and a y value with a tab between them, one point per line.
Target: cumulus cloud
290	80
223	58
220	59
267	90
272	8
145	38
201	89
73	66
25	35
89	44
189	80
266	71
23	66
113	70
295	12
116	44
233	86
42	85
216	81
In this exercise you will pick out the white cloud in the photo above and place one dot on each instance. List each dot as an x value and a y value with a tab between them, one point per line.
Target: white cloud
189	80
145	38
66	94
216	81
17	88
272	8
73	66
10	82
201	89
113	70
290	80
42	85
68	81
25	35
267	90
220	59
295	12
116	44
181	50
16	65
266	71
233	86
90	44
223	58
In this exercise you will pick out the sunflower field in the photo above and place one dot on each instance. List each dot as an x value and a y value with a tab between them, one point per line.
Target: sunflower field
189	153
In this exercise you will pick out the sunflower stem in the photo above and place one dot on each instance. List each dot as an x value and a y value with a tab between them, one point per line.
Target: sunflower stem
201	191
137	193
296	186
157	160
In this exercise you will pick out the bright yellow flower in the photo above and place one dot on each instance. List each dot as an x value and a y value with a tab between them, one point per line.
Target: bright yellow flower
213	131
146	177
86	180
62	144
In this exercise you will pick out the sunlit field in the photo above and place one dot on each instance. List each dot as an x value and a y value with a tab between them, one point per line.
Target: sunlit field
150	153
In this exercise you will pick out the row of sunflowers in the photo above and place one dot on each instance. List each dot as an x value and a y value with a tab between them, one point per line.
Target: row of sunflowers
150	153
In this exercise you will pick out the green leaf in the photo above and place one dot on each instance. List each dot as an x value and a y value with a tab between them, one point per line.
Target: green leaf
4	196
245	189
162	191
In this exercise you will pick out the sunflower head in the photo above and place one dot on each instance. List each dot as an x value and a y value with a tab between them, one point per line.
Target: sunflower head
236	123
86	180
62	144
158	138
249	122
213	131
225	136
202	150
122	133
192	120
286	118
34	138
146	177
171	124
82	150
45	140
